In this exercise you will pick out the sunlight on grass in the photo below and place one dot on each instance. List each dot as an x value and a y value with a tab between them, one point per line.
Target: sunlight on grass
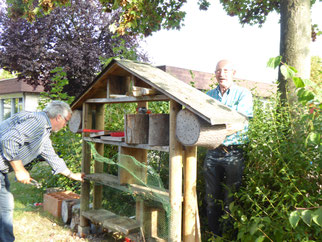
30	222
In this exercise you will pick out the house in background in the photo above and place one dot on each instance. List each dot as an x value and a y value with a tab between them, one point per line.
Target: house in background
207	81
16	96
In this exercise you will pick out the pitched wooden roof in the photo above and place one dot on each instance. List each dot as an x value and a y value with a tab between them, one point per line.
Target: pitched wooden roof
196	101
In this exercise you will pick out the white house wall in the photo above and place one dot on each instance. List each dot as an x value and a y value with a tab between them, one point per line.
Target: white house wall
27	102
31	102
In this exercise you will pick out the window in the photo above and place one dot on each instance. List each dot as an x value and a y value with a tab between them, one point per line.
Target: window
10	106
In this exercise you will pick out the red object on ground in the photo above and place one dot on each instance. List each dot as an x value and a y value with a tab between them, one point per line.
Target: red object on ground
127	240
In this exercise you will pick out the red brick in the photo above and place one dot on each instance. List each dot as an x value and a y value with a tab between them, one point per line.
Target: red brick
52	201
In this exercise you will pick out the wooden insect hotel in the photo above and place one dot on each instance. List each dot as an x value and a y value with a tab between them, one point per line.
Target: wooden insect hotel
193	119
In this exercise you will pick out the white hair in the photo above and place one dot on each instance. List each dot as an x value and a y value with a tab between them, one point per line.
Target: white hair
55	108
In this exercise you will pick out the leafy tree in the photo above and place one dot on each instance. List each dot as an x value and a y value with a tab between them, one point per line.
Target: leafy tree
143	16
296	31
73	37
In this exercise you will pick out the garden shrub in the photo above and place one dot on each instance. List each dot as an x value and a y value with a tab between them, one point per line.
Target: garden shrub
66	144
280	199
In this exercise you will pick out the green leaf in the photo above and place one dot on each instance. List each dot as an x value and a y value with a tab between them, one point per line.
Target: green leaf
287	71
260	238
225	216
274	62
253	228
314	138
317	217
305	95
231	206
116	4
294	218
298	82
306	216
243	218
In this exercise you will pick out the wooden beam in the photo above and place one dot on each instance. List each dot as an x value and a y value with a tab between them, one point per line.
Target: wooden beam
175	179
127	99
190	215
113	181
126	161
98	166
86	164
135	146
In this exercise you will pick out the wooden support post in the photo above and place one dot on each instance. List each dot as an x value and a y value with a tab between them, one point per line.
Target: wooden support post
175	182
190	216
98	166
86	164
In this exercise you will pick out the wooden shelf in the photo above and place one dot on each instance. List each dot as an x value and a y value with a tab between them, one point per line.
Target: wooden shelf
118	143
111	221
128	99
112	181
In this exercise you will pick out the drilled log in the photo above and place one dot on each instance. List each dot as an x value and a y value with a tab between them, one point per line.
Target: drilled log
192	130
136	128
66	209
75	122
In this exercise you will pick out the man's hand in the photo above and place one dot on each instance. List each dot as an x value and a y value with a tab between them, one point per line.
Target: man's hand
233	128
21	173
77	176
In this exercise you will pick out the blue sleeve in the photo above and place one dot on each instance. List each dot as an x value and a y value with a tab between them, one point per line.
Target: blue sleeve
48	153
13	140
245	103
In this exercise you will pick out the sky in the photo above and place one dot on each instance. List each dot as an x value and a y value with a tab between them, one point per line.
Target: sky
209	36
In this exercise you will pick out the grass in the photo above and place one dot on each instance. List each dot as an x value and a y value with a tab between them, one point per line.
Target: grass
32	223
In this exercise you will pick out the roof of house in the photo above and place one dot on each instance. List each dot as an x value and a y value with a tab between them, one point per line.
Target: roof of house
193	99
206	80
8	86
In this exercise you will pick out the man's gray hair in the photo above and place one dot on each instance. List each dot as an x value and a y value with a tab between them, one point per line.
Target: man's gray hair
55	108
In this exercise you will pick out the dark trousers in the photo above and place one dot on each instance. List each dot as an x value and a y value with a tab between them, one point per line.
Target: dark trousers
223	170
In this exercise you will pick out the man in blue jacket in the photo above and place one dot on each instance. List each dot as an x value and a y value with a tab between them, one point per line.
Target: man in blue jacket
223	166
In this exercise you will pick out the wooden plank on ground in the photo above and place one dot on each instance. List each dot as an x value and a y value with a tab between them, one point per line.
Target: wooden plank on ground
111	221
121	224
98	216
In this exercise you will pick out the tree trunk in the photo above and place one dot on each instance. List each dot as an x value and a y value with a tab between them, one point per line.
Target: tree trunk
295	43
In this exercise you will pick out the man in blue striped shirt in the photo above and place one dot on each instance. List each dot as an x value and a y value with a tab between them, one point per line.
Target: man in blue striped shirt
24	137
223	166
